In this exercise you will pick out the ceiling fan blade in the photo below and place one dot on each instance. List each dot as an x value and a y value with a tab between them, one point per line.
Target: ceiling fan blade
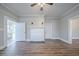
33	4
41	8
49	3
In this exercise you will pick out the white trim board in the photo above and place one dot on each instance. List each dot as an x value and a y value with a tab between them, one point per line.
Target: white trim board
60	39
35	41
46	39
53	38
66	41
70	10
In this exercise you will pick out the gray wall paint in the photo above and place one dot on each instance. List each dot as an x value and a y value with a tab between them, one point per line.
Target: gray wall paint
55	33
1	31
55	27
61	27
27	21
3	37
64	29
65	34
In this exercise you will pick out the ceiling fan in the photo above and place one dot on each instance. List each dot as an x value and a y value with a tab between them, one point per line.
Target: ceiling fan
41	5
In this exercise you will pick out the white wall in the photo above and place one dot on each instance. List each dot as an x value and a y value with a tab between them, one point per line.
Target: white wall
64	29
1	31
55	30
4	12
65	25
28	20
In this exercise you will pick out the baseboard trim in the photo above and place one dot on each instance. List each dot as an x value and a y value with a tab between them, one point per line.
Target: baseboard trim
53	38
36	41
46	39
66	41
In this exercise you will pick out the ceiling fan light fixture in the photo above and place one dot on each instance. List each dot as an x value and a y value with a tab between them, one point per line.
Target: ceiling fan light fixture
41	5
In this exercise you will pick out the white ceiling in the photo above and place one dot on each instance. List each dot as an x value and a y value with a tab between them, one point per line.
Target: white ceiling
24	9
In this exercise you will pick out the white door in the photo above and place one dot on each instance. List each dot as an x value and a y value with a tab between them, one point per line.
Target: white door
20	32
37	34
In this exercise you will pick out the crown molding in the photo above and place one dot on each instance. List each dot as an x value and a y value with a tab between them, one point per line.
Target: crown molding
9	9
15	13
70	10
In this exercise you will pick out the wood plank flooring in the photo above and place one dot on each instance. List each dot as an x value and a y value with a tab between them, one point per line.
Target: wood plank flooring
47	48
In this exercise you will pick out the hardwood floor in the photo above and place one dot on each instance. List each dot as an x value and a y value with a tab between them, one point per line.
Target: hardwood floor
47	48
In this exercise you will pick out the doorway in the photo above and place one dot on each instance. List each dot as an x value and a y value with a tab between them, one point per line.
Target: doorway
20	31
11	33
74	28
